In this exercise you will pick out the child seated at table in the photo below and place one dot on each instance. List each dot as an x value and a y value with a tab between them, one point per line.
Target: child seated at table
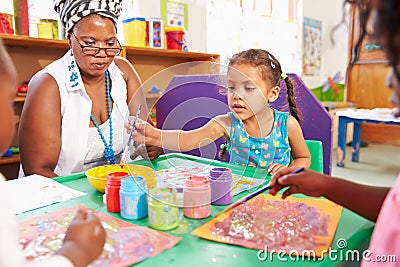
85	236
380	204
258	135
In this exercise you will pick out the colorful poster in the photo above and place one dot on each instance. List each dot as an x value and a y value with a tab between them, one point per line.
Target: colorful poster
126	243
175	14
312	45
294	224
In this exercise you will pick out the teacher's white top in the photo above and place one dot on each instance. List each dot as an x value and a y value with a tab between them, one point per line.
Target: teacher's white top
75	111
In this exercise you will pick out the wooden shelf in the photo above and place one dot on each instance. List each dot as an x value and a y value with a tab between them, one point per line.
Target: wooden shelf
193	56
19	99
25	41
9	160
148	95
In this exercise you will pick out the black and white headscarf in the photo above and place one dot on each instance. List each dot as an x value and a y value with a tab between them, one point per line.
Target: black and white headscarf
71	11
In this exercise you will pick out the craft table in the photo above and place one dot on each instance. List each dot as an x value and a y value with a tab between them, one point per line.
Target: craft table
358	118
195	252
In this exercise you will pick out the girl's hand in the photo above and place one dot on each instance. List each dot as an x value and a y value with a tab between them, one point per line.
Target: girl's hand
306	182
274	167
144	133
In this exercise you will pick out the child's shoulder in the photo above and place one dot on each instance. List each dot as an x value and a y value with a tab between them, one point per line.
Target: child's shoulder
224	119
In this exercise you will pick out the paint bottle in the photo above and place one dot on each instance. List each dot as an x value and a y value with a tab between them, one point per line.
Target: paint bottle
163	208
133	198
113	185
197	197
221	186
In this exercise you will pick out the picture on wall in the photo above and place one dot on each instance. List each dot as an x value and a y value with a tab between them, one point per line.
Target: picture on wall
312	32
175	14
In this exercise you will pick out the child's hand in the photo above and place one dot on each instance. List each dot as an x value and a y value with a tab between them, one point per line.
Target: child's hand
306	182
274	167
143	131
84	240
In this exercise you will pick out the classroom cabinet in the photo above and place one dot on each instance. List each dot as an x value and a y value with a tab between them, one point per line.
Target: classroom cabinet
156	67
366	88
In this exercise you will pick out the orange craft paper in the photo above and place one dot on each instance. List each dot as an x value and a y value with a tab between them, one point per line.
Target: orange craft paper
329	211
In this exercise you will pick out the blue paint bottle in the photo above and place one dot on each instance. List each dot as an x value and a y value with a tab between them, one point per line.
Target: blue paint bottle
133	198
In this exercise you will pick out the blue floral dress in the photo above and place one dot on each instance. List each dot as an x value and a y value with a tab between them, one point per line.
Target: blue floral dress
260	152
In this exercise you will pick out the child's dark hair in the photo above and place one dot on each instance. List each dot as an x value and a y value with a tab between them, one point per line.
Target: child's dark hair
270	70
386	27
222	152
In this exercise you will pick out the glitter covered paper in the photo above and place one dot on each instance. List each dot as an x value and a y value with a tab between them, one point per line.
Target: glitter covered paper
126	243
294	224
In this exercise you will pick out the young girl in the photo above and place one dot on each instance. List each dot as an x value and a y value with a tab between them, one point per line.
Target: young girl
257	134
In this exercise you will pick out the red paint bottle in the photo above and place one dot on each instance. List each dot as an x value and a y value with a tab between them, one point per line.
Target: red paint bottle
113	185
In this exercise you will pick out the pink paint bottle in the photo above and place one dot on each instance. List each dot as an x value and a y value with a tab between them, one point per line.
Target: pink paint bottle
221	186
197	197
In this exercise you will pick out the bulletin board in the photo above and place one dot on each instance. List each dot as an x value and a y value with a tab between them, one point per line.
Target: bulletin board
312	34
175	14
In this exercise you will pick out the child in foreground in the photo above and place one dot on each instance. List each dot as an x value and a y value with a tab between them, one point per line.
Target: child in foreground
378	204
258	135
85	237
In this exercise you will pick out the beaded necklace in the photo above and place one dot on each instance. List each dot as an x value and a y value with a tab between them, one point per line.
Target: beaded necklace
108	150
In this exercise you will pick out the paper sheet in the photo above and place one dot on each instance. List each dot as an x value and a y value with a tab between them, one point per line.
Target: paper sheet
377	114
37	191
300	224
126	243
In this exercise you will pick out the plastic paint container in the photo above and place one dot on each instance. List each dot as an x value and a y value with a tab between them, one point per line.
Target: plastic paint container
175	38
221	186
133	198
197	197
135	31
163	210
113	185
155	33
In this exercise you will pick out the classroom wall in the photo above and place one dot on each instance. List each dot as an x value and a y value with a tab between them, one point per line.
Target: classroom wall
231	29
328	11
6	7
197	32
334	58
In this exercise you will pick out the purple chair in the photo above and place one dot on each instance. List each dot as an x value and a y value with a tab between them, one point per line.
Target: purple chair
316	123
190	101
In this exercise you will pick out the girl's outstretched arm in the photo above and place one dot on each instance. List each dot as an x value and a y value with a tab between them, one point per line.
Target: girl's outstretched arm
180	140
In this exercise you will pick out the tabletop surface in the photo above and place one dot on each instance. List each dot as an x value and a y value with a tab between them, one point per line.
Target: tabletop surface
193	251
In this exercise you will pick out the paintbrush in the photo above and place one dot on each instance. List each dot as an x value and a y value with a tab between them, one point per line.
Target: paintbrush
255	193
122	162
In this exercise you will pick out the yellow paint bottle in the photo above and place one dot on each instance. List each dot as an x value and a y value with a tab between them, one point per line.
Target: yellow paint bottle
163	213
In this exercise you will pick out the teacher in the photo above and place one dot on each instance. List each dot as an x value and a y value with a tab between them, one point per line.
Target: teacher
73	117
